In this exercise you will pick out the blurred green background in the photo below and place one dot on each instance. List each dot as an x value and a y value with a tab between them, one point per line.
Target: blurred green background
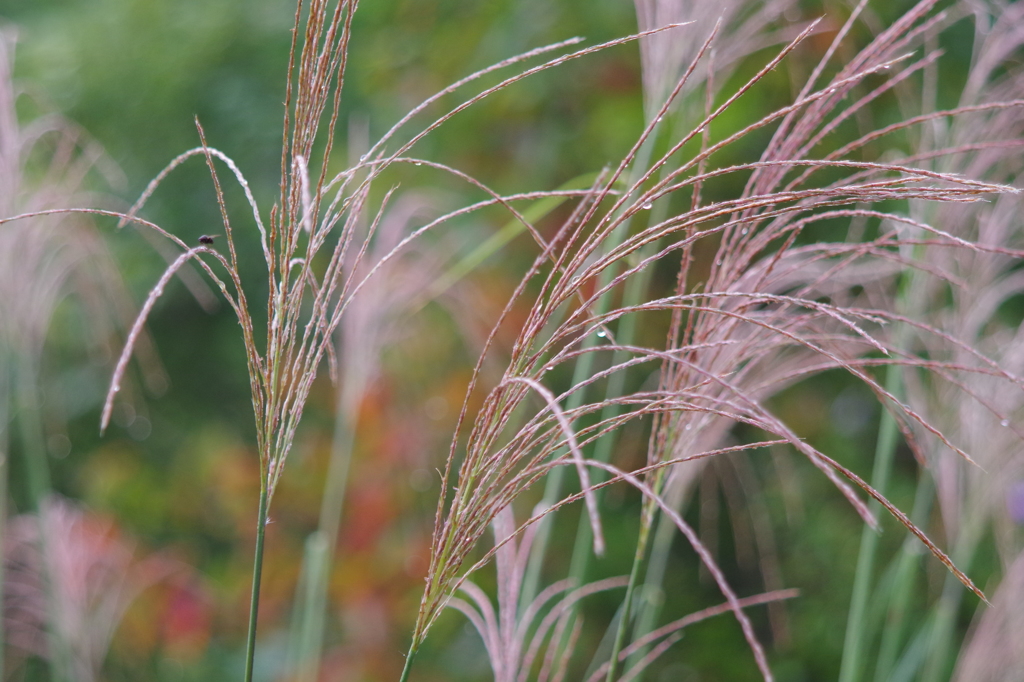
177	472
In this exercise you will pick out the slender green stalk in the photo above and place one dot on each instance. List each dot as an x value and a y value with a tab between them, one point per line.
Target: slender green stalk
30	428
902	586
310	620
582	370
636	288
633	295
408	664
37	473
939	647
857	626
937	661
257	574
652	595
913	658
627	602
4	449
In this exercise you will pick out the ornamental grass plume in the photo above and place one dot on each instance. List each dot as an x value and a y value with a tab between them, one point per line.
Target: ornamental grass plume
771	310
94	571
515	640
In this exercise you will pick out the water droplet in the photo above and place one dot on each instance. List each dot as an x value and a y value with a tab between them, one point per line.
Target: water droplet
647	205
718	262
417	163
549	368
658	120
689	426
601	334
744	231
1005	422
701	129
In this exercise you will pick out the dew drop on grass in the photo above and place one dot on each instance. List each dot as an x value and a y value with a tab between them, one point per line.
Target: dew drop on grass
689	426
601	334
549	368
1005	422
417	163
647	205
744	231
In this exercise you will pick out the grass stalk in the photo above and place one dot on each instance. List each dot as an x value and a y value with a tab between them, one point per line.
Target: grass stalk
310	620
409	656
4	473
652	595
900	593
37	474
857	625
913	658
938	662
627	602
257	574
580	561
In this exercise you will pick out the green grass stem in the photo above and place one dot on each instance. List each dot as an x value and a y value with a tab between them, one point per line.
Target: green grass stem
408	663
939	662
257	574
857	626
627	601
903	582
310	618
309	621
37	474
652	596
4	473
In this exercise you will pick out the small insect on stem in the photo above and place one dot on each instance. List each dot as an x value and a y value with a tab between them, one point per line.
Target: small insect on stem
206	239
